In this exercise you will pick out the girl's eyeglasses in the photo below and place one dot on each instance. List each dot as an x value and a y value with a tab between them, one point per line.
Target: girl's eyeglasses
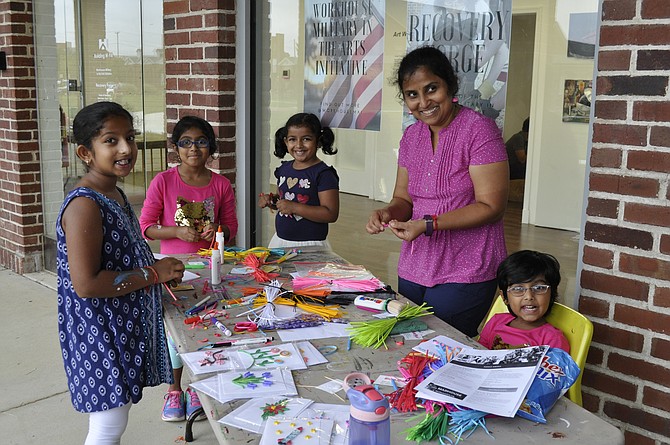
520	291
187	143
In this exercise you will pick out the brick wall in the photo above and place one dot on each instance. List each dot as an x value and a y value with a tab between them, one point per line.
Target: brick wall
626	257
200	70
21	231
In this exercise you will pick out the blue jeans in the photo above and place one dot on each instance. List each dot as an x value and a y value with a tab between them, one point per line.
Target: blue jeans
462	305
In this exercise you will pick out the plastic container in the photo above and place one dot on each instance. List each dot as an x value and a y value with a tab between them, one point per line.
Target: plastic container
369	422
220	238
216	264
378	304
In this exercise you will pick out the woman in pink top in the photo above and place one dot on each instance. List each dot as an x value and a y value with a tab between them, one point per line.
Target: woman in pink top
450	196
529	284
183	209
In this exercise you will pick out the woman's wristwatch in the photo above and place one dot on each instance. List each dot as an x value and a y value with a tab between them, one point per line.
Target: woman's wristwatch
431	224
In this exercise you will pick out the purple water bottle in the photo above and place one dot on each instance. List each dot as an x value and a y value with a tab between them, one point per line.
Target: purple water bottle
369	422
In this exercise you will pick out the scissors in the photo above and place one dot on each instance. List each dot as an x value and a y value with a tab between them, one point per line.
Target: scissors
245	326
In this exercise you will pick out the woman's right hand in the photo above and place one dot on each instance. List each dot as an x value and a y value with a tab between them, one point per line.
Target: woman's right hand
378	221
169	270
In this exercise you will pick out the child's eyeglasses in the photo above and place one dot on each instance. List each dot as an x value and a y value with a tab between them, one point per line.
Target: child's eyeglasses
187	143
520	291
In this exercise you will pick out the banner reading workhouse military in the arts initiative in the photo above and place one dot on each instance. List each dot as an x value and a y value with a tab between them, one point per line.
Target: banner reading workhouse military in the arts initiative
344	48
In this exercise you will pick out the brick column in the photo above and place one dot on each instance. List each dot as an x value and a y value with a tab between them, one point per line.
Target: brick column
200	70
626	257
21	229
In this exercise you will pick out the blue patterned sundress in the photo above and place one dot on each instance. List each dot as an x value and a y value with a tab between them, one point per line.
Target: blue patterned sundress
112	347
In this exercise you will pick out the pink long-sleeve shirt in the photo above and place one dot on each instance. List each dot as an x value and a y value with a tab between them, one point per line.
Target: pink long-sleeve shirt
160	206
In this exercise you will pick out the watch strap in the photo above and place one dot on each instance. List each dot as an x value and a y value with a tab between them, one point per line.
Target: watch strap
429	225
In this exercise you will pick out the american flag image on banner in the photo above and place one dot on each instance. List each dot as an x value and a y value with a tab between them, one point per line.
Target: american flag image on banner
353	95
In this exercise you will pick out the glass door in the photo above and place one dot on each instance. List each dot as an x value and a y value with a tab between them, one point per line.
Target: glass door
105	50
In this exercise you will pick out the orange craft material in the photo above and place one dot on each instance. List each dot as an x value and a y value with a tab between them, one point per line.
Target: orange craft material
256	264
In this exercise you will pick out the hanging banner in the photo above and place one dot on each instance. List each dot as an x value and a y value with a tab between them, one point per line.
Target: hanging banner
475	36
344	48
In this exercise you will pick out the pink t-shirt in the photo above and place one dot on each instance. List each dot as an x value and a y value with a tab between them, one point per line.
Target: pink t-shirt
216	199
440	182
497	334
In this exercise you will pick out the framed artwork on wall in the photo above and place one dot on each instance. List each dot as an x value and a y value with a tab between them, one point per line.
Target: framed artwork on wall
577	101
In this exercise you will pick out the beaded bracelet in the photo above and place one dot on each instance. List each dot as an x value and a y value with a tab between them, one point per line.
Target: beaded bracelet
154	272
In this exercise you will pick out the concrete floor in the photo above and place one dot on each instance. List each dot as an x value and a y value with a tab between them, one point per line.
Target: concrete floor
35	405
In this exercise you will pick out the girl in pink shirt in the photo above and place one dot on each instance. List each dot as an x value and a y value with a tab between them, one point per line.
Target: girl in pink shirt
183	209
529	284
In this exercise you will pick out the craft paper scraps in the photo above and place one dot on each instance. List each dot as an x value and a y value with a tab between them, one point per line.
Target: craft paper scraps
334	277
253	414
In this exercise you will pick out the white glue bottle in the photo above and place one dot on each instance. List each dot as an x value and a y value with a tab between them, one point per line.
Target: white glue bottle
393	307
220	241
216	265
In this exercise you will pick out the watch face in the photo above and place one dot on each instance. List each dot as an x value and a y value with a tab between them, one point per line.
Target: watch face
158	226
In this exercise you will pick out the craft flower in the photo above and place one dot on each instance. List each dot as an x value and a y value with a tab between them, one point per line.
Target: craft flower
251	381
273	409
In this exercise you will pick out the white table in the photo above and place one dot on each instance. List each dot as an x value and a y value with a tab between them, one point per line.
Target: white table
567	423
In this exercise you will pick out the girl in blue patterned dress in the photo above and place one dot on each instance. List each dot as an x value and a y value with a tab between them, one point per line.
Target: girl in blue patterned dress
109	285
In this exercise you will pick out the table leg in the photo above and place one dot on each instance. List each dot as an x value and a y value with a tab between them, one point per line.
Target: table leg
189	423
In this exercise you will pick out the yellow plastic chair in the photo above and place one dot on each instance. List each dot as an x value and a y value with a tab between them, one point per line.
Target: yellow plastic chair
577	329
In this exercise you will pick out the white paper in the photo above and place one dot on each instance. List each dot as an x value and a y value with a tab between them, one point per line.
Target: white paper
314	431
310	354
217	385
202	362
326	330
188	275
436	347
249	416
285	355
494	382
339	414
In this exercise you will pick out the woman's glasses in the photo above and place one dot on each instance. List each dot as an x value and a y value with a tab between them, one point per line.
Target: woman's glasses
187	143
520	291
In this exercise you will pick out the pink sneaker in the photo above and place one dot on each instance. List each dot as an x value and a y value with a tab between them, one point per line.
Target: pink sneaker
192	403
173	410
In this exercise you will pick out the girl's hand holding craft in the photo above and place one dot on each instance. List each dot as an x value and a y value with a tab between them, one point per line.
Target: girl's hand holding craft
208	233
188	234
287	207
169	269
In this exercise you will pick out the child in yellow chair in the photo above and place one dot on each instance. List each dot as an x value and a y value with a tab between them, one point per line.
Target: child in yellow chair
529	284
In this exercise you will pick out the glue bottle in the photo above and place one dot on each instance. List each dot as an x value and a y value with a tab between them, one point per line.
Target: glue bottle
369	422
216	264
220	241
393	307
